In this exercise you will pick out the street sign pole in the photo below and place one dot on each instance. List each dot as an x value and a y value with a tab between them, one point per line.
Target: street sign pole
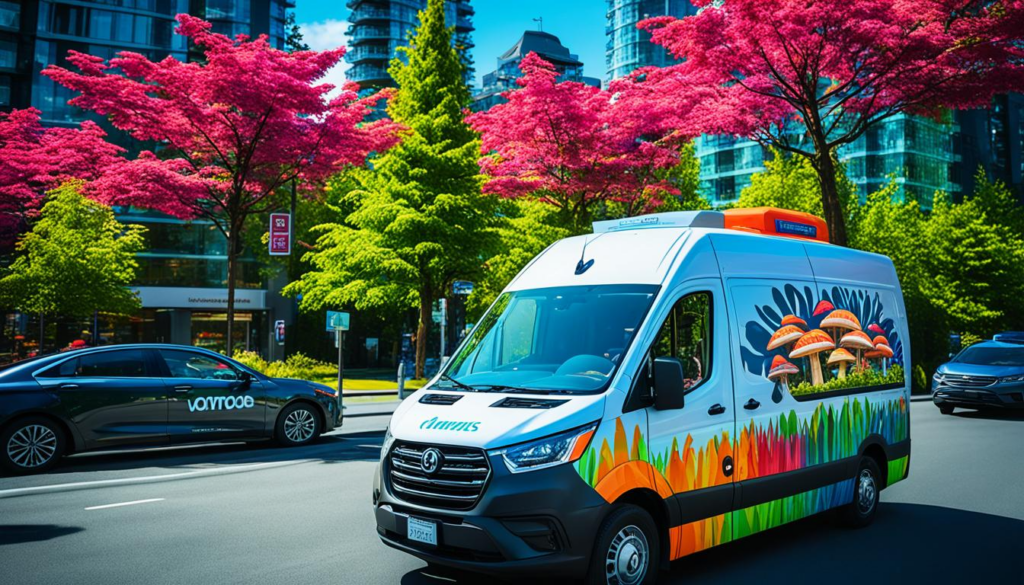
444	326
340	333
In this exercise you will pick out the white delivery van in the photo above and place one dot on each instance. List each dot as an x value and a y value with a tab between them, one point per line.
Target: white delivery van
666	384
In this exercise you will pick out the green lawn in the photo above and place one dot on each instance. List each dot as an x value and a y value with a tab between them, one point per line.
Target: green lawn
364	385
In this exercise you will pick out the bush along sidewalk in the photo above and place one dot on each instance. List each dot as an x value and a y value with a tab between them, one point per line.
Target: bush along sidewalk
303	367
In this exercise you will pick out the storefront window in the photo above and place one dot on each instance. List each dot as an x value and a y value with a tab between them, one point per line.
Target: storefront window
210	330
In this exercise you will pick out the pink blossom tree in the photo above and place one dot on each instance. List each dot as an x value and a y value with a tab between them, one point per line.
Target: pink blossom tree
233	129
829	69
34	160
573	146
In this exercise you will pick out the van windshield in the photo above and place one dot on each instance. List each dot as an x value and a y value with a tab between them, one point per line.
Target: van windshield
551	340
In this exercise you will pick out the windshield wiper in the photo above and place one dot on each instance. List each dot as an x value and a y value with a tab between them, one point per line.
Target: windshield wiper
516	389
459	385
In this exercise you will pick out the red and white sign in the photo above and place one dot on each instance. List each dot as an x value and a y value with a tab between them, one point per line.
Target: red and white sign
280	234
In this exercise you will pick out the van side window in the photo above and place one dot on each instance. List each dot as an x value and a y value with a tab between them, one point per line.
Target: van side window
686	336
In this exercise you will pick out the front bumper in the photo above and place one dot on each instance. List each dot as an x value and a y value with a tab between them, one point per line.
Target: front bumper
1009	396
538	522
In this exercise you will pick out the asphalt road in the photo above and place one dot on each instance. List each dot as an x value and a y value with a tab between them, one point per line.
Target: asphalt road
260	514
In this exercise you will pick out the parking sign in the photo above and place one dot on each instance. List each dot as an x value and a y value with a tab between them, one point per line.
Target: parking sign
280	234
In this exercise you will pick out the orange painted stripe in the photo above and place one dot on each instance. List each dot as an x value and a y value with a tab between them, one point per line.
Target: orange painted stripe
581	445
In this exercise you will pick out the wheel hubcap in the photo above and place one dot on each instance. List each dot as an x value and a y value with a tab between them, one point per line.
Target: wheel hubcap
866	492
626	563
299	425
32	446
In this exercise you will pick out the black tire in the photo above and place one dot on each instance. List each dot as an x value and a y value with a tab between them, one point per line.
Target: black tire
618	556
298	424
946	408
867	485
32	444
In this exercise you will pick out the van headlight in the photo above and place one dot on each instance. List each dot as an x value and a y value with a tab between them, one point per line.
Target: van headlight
388	440
549	451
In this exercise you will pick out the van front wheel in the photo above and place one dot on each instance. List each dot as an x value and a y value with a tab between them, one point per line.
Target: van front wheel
626	551
866	487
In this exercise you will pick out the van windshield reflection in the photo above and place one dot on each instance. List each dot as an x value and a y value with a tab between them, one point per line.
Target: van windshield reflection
550	340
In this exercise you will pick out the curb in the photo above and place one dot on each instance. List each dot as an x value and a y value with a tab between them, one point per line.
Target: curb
921	398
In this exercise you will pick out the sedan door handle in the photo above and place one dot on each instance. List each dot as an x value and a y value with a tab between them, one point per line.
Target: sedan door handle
183	388
68	386
716	409
752	404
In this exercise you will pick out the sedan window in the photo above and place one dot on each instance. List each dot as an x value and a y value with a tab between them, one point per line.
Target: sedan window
126	363
187	364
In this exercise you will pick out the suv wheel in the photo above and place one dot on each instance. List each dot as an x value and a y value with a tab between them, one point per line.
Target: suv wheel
31	445
946	409
626	551
866	487
297	424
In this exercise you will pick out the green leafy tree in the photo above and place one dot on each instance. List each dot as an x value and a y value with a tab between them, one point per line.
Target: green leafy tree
77	259
418	220
293	40
791	182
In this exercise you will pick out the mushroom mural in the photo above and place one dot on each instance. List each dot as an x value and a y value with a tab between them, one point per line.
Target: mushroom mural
795	321
822	307
884	352
876	329
838	320
841	357
810	345
857	341
785	336
782	368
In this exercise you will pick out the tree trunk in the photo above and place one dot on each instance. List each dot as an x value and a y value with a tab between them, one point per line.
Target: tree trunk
825	165
426	303
233	236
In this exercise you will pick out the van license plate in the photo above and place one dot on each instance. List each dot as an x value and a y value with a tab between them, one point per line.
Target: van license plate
422	531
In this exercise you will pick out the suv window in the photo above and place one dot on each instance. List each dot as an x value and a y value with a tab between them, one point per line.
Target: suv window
125	363
686	336
188	364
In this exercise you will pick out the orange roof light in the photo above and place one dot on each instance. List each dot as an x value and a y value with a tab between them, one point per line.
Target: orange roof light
777	222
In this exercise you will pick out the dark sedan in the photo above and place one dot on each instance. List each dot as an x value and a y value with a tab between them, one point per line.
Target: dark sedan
146	395
989	374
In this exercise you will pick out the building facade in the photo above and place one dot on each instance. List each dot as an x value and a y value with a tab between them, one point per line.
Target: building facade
548	47
182	276
379	27
629	48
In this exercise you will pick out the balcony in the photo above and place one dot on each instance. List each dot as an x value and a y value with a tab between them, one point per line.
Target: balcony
364	73
370	53
364	13
366	33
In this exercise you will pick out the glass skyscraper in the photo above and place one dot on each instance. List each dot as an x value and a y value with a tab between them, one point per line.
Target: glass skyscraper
381	26
629	48
182	276
548	47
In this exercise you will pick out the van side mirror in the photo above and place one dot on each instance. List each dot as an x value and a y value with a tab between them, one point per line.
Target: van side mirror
669	387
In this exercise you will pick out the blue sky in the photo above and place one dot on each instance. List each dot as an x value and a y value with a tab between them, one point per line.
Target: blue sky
499	24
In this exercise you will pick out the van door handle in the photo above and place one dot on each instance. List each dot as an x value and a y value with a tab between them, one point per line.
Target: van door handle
183	388
716	409
752	404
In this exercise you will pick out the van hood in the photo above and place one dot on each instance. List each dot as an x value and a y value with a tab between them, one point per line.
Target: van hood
490	420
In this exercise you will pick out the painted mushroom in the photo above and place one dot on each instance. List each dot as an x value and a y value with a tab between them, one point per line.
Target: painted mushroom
795	321
810	345
822	307
884	351
841	357
785	336
857	341
839	320
782	368
876	329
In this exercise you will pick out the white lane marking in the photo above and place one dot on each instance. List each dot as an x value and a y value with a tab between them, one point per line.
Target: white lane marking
146	479
118	505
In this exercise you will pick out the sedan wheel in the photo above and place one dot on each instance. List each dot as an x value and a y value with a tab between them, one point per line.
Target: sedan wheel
32	445
297	425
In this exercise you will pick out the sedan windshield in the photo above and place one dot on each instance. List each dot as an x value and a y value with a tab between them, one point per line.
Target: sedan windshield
991	356
564	339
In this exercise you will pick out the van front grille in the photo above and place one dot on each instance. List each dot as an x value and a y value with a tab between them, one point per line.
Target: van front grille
455	483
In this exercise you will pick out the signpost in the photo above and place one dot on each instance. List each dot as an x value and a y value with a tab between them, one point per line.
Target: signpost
280	234
338	322
279	331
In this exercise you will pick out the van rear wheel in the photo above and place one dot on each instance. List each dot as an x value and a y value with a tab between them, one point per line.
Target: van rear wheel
627	549
866	487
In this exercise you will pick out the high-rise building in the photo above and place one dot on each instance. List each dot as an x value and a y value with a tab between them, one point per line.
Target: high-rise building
379	27
545	45
629	48
182	275
925	155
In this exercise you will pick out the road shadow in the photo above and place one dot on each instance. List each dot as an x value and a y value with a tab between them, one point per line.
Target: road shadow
907	543
363	446
19	533
991	414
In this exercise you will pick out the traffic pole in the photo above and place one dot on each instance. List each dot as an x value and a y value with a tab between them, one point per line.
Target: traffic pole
339	334
401	380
